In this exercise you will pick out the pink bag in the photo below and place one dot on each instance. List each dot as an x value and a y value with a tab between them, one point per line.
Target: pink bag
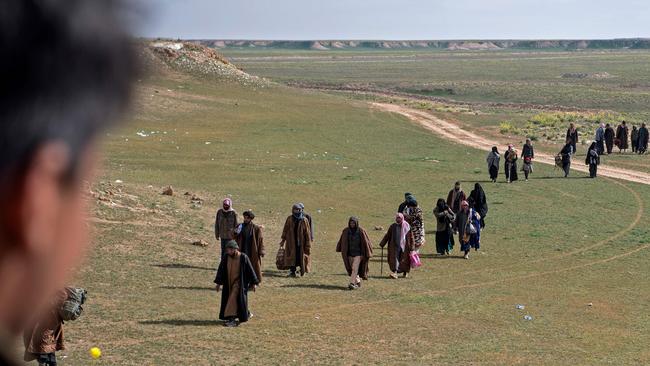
415	260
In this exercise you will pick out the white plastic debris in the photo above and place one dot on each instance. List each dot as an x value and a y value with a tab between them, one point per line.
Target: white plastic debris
118	181
528	317
520	307
208	142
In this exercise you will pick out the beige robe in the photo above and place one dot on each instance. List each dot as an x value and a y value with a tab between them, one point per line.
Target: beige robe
234	265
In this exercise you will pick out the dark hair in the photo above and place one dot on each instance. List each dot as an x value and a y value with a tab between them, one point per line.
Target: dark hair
66	75
249	214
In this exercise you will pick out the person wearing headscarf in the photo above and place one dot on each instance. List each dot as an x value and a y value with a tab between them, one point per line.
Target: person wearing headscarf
565	154
480	202
311	223
593	160
444	231
237	276
600	138
297	237
572	134
251	242
621	136
225	224
528	154
634	138
45	337
400	245
493	161
356	249
407	196
609	138
413	215
510	157
454	198
467	219
643	139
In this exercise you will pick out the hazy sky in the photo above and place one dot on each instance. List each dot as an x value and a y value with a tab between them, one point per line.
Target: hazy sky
395	19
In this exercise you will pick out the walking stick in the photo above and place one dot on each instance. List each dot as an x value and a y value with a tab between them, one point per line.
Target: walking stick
381	270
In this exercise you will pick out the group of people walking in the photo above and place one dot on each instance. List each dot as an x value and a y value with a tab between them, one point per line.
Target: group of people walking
511	157
606	138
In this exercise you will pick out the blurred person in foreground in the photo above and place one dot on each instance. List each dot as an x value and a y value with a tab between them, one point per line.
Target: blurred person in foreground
65	78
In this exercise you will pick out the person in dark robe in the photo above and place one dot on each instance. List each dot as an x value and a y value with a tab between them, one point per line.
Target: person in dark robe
622	133
634	139
643	139
225	224
477	195
593	160
572	134
250	240
565	154
600	138
609	138
237	276
297	237
407	197
528	154
510	158
454	198
493	160
466	217
400	245
444	231
356	249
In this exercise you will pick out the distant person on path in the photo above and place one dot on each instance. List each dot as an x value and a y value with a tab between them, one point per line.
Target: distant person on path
356	249
470	229
593	160
400	245
565	154
477	195
297	237
634	139
454	199
572	134
444	231
528	154
237	276
44	338
510	157
225	224
251	242
600	138
609	138
493	161
407	196
413	215
621	137
643	139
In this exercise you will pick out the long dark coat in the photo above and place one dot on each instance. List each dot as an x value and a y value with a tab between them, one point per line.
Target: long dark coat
404	260
291	249
366	251
247	278
621	135
256	250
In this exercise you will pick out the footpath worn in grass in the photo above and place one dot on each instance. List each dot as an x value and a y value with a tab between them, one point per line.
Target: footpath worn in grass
554	245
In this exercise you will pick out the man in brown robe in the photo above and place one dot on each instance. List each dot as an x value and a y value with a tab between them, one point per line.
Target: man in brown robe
225	224
400	245
356	249
296	238
45	338
237	276
251	242
454	198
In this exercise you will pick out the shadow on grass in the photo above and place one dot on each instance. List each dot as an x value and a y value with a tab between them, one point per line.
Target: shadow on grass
183	322
182	266
318	287
278	274
197	288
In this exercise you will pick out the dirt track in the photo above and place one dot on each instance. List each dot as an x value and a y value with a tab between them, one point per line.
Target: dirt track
453	132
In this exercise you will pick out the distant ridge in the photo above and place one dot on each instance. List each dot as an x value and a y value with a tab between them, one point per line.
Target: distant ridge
322	45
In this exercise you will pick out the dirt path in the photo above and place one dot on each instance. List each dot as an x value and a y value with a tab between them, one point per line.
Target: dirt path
453	132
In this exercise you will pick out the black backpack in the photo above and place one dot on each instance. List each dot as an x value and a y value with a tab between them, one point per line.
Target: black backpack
73	304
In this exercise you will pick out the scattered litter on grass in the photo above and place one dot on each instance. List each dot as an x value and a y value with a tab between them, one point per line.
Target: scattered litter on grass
379	228
118	181
520	307
528	317
317	317
141	134
208	142
590	304
200	243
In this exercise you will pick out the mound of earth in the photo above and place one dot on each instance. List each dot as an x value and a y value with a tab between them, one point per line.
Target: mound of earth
585	75
472	46
195	59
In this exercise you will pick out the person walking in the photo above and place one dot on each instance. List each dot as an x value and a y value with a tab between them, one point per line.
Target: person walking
400	245
296	239
477	195
593	160
251	242
609	138
493	160
413	215
527	154
634	139
444	231
510	157
572	134
622	133
470	229
356	249
44	338
643	139
225	224
600	138
565	154
454	199
237	276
